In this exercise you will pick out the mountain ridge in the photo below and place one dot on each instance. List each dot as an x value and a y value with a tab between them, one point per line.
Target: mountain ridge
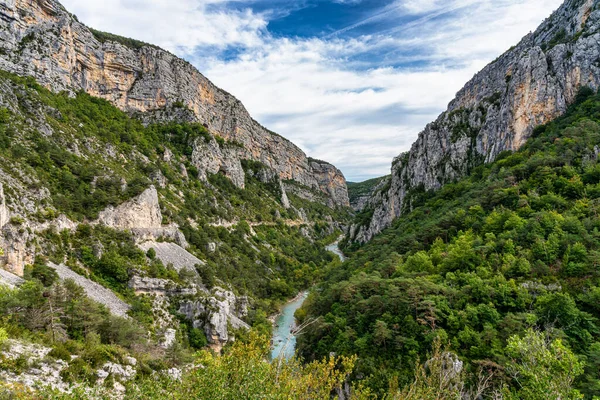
497	110
150	82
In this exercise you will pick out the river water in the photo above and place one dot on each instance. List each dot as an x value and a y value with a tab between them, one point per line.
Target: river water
284	341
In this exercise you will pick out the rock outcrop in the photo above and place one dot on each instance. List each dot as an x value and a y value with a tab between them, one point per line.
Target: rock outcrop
530	84
159	287
215	313
331	181
142	212
212	158
40	38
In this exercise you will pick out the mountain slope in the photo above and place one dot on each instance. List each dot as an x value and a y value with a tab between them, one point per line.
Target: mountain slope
92	196
514	246
530	84
41	39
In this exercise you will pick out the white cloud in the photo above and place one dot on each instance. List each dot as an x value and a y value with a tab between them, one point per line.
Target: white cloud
179	26
332	96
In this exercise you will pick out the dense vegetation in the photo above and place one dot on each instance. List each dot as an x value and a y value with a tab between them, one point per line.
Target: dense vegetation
89	155
44	310
546	370
513	247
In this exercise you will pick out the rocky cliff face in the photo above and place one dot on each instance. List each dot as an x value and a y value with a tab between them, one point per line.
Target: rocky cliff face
40	38
215	313
529	85
141	212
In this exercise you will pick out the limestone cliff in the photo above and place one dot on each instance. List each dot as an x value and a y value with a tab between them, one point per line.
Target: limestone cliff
40	38
529	85
141	212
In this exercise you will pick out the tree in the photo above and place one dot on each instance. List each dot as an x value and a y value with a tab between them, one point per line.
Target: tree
541	368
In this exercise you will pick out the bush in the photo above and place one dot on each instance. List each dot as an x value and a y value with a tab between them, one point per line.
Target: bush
197	338
3	336
46	275
60	352
151	253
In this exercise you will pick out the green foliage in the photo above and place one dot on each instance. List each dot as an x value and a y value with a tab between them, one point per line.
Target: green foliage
512	247
197	338
242	372
541	368
46	275
151	253
3	336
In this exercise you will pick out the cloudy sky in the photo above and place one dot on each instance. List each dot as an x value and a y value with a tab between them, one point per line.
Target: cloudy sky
350	81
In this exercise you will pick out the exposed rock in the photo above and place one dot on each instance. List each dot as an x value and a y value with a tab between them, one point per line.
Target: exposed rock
167	233
118	371
94	290
530	84
360	202
45	372
169	338
331	181
211	158
59	224
142	212
213	314
304	231
175	373
160	287
10	280
285	201
4	212
171	253
211	247
158	178
150	81
130	361
18	250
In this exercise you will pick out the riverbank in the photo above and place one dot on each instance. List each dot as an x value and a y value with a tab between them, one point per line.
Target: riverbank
283	342
273	317
335	248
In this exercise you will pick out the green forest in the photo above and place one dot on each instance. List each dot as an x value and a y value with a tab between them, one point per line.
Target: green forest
511	249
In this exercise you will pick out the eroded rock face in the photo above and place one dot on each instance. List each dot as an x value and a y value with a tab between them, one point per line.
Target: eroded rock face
213	314
18	251
159	287
212	158
41	39
142	212
529	85
332	182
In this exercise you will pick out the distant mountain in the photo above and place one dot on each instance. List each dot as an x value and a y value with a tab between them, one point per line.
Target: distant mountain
497	110
360	192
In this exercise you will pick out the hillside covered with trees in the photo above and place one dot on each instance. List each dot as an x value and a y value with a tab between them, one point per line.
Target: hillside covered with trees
511	248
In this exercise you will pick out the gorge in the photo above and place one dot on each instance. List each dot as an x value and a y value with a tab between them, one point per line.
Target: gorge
149	227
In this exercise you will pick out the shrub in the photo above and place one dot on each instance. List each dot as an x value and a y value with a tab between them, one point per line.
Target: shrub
3	336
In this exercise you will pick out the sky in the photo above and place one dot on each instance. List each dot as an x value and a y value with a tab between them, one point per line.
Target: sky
352	82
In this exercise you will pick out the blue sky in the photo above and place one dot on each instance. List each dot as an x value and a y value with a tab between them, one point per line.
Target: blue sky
352	82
